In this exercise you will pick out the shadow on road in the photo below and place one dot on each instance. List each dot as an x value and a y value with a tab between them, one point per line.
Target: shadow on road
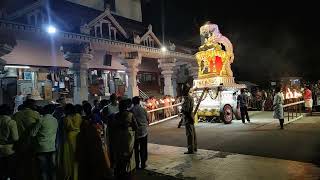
150	175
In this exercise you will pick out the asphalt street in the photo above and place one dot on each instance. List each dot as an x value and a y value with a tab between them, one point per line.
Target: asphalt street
299	141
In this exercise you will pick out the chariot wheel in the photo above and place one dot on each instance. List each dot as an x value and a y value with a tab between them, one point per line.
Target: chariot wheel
227	114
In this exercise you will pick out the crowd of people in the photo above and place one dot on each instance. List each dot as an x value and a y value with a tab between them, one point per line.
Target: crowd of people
260	99
277	106
274	101
166	102
105	141
64	141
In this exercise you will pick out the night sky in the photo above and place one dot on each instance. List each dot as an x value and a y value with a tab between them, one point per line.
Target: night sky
271	39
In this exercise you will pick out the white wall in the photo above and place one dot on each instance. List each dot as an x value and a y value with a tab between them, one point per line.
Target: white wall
96	4
129	8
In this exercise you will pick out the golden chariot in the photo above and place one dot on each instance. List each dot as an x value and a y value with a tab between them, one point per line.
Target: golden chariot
215	91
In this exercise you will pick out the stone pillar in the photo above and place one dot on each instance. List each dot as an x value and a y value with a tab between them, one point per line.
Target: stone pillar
106	83
131	62
167	65
174	82
79	54
5	48
35	94
7	43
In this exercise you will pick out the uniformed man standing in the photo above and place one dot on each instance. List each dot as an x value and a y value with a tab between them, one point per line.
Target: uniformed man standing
187	111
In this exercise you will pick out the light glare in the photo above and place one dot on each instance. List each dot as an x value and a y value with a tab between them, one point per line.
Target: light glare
17	67
163	49
51	29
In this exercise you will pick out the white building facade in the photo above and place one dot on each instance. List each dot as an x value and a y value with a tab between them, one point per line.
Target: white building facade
75	60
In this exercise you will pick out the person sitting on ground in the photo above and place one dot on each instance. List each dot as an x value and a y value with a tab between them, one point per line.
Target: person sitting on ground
8	137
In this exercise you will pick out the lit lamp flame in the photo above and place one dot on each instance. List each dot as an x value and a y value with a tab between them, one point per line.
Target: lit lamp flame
293	94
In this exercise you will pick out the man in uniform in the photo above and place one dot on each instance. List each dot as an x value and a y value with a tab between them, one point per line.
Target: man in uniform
187	111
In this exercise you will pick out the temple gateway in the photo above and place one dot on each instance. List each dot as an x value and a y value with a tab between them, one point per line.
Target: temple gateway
82	50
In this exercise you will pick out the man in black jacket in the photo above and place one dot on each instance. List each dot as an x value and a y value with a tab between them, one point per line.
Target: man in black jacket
187	111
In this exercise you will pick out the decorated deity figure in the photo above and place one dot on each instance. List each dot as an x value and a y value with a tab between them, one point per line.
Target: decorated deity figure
216	53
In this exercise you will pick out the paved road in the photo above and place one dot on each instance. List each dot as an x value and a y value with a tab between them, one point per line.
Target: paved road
217	165
300	141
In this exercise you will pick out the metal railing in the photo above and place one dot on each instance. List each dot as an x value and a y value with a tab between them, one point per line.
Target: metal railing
293	111
143	94
163	114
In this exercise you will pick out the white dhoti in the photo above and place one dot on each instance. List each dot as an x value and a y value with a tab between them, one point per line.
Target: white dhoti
308	103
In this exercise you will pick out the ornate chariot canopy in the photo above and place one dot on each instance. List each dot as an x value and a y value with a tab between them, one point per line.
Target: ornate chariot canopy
216	53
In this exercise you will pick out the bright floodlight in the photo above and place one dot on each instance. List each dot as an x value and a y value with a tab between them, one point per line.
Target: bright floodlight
163	49
51	29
